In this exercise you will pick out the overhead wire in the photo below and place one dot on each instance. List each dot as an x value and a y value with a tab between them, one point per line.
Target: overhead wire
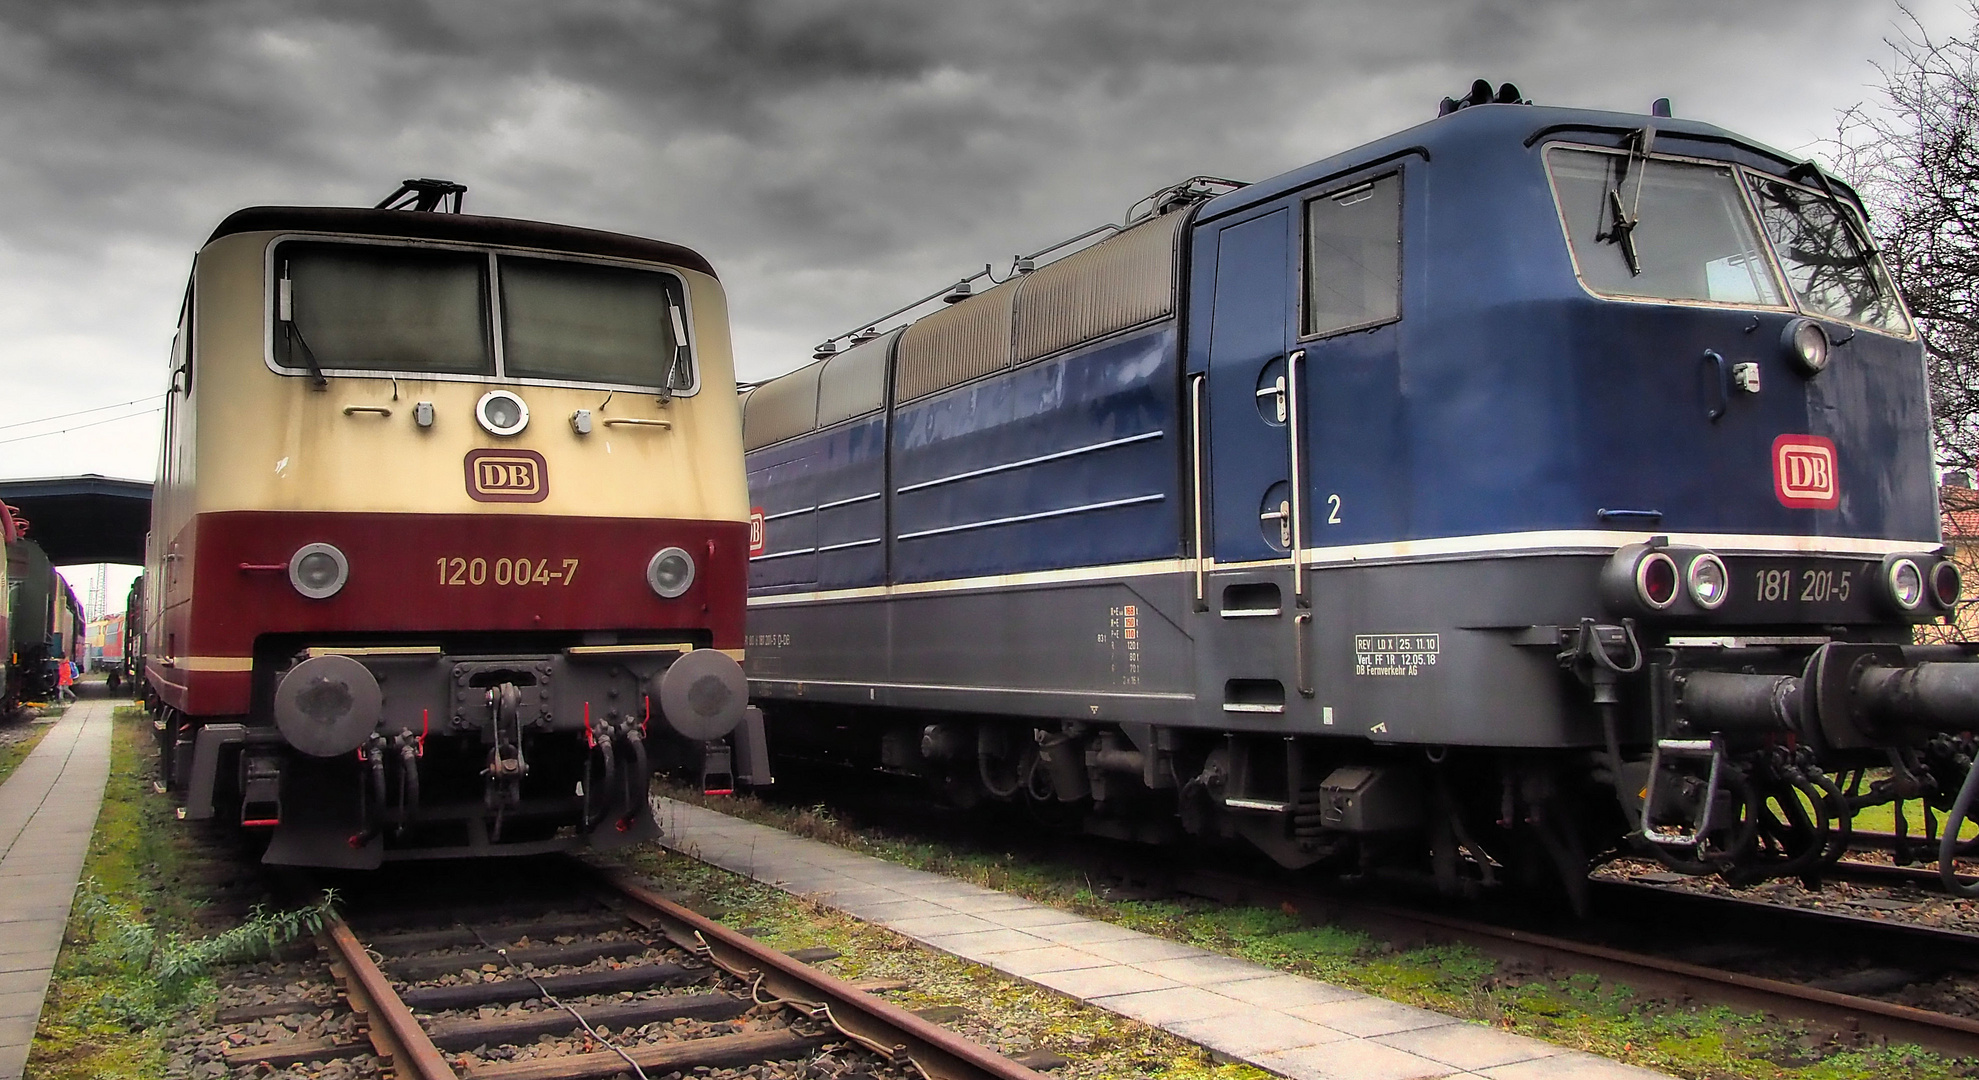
80	412
79	427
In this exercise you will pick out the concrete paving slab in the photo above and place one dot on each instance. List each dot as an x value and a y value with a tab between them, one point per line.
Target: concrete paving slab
1371	1016
15	981
1146	950
1212	970
1282	992
48	809
1089	983
1025	963
937	925
1353	1059
1033	917
1084	932
1469	1046
1258	1033
1160	1007
1568	1065
990	905
1297	1027
896	910
987	943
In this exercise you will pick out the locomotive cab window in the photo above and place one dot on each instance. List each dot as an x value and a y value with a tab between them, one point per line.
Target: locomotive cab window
1819	245
366	308
362	307
1353	257
582	322
1649	228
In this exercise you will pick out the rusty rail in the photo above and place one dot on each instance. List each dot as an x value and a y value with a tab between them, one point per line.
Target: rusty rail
394	1032
879	1025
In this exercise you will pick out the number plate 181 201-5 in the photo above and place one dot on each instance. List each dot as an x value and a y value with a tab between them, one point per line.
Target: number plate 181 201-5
1811	590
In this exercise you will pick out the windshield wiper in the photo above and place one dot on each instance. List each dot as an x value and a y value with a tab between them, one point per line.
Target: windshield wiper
1857	231
308	354
1622	231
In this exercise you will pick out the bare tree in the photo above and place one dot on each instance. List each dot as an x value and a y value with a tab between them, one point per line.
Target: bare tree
1914	157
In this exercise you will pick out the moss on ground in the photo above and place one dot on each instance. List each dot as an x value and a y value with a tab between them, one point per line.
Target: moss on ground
1581	1011
102	1020
14	752
1009	1015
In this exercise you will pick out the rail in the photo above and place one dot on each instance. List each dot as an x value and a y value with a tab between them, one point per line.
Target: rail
879	1025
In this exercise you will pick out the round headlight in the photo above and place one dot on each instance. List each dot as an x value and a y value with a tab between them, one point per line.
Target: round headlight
1656	580
1947	585
1806	345
318	571
501	412
1709	581
1906	583
670	572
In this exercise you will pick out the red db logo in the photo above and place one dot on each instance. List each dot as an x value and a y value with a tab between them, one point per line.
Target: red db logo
758	539
507	476
1804	472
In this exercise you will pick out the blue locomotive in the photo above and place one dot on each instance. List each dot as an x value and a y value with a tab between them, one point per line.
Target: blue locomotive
1529	485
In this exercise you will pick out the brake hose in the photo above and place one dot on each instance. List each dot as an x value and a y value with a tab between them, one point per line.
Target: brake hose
1948	839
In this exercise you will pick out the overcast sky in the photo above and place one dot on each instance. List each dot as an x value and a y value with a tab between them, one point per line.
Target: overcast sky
832	158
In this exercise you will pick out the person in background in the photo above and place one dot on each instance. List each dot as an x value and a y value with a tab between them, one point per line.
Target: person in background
65	678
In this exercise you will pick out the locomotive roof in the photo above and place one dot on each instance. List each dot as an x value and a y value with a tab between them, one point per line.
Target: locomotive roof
1476	125
463	228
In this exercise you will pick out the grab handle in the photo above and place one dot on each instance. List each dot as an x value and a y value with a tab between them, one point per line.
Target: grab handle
1723	384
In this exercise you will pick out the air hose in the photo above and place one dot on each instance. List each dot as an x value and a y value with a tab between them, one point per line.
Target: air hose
1948	839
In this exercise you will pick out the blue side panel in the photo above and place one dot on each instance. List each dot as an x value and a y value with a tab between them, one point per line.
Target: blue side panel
851	492
1073	461
822	500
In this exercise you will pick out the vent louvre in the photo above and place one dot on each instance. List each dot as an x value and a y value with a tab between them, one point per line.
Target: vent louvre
1123	281
783	408
951	347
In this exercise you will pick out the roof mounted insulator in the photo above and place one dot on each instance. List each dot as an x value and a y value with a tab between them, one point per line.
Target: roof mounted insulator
1660	107
962	291
1482	94
1023	264
825	351
860	337
426	195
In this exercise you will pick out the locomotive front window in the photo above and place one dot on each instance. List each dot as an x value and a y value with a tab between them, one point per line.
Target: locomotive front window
360	307
1661	230
1354	257
1825	263
588	323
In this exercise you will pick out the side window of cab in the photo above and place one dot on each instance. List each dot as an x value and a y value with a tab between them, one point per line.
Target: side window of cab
1353	257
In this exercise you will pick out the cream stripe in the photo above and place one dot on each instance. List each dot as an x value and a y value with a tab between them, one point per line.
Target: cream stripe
1557	542
215	663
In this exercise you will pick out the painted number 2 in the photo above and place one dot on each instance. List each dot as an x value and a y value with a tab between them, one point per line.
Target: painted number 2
1333	509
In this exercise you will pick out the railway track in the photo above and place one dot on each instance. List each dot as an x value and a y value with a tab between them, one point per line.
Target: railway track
601	976
1820	966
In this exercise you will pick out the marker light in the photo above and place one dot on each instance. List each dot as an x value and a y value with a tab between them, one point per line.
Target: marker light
1709	581
1806	345
1906	583
318	571
670	572
1947	585
1656	580
501	412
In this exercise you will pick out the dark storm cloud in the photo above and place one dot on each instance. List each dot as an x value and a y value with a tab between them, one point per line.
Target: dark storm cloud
832	157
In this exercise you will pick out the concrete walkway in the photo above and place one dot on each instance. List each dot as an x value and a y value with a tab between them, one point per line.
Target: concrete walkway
47	812
1294	1026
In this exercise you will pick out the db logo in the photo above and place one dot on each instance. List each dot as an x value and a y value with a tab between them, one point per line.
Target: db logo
758	539
507	476
1804	472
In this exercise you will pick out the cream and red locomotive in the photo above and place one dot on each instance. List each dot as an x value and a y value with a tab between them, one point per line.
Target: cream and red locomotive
450	530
